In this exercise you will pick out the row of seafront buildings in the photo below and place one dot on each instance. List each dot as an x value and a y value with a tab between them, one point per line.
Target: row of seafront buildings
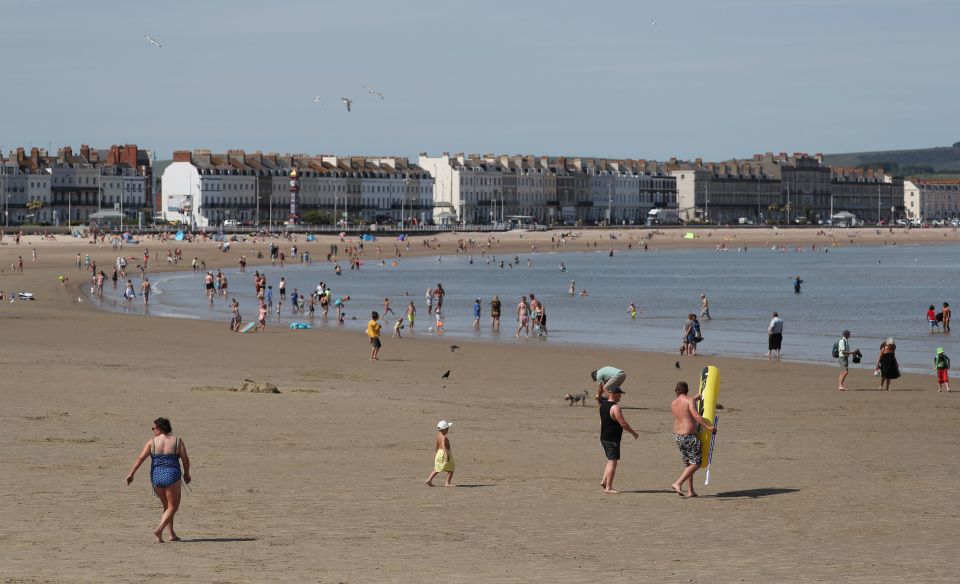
69	188
203	189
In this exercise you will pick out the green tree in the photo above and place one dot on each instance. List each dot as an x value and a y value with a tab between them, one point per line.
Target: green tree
774	213
314	217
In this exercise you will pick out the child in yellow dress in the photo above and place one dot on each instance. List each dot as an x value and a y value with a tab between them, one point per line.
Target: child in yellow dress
443	461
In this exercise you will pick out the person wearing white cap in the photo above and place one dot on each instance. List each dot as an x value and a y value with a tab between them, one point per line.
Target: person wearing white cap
443	461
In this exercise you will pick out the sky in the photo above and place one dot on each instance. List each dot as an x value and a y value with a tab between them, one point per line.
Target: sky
712	78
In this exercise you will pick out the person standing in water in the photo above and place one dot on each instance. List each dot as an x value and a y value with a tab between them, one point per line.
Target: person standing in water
705	307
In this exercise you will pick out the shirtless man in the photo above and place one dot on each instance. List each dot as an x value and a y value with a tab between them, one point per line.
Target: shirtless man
145	290
208	284
523	316
705	307
685	420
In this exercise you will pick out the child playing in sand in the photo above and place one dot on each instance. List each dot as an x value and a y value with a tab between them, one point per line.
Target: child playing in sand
396	328
443	461
942	364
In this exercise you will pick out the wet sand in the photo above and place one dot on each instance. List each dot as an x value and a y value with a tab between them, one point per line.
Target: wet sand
324	481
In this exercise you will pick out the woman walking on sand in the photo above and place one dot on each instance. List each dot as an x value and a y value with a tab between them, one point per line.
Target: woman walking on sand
165	451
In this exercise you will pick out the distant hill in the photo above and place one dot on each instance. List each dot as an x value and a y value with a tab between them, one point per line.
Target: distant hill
924	161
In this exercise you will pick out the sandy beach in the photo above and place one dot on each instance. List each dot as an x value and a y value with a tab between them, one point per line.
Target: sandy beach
323	482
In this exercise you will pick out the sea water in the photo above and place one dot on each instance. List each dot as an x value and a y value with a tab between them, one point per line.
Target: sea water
876	292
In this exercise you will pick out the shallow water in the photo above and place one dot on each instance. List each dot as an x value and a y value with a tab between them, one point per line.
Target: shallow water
876	292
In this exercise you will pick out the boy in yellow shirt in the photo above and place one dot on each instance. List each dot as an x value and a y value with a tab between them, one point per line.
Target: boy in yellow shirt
373	331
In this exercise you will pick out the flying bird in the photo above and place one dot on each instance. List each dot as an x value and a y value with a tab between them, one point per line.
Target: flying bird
373	91
445	375
318	100
347	101
453	348
152	41
653	22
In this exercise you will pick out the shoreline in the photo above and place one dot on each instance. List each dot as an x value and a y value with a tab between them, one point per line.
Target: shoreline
572	337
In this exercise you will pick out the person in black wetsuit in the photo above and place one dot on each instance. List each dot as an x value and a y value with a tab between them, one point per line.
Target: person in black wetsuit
612	425
796	285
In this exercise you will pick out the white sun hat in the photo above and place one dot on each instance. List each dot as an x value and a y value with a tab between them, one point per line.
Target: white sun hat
443	425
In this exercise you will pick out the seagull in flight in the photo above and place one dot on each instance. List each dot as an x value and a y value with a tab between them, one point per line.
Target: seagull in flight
373	91
152	41
653	22
453	348
347	101
318	100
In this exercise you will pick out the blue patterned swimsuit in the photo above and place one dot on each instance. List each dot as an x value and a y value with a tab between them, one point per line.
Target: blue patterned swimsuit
164	468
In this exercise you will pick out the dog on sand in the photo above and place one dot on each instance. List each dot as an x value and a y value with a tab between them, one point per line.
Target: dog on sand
580	398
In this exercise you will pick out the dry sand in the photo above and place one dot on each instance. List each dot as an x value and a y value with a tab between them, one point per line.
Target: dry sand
324	481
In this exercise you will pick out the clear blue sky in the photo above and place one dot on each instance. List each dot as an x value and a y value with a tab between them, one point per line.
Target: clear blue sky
713	78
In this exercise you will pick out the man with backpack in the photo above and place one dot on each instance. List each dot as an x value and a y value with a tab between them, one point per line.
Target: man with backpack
942	364
841	350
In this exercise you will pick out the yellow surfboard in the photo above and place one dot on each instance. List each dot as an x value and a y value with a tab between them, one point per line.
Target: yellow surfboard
707	406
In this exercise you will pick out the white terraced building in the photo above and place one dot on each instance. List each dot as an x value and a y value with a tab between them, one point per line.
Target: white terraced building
204	189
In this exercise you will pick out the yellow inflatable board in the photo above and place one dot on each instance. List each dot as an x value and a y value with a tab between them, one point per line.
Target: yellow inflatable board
707	406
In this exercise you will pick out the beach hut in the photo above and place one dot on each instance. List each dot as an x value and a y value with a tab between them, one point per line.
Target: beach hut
106	218
844	218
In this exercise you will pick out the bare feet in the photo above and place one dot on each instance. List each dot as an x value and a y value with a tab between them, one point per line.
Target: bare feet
449	485
676	489
159	534
611	492
692	494
428	483
841	388
174	538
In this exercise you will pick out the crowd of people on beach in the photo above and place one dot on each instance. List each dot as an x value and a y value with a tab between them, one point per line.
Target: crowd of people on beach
168	453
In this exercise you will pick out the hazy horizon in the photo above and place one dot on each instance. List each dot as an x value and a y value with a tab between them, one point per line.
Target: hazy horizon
712	80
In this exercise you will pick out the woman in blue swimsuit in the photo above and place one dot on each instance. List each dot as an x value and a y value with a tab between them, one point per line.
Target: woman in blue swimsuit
166	451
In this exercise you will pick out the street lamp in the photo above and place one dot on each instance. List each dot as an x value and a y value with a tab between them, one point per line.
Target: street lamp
6	197
406	192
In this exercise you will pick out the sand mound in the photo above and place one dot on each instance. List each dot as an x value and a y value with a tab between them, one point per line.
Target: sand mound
255	387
